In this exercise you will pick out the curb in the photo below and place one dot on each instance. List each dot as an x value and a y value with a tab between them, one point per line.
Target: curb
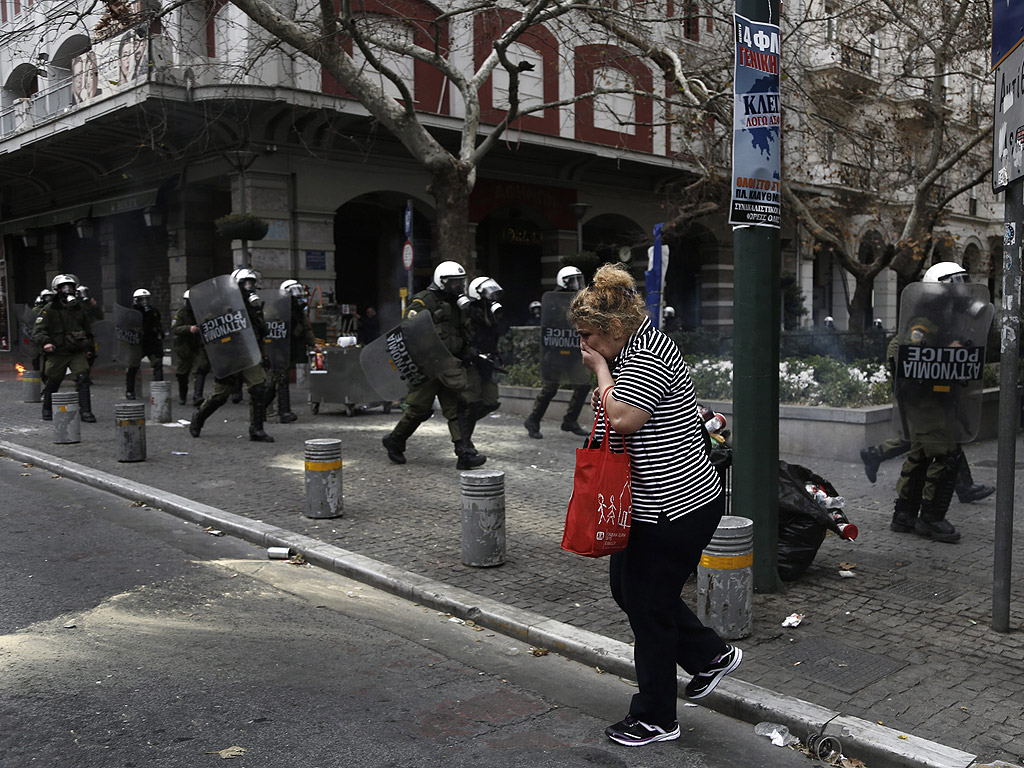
875	744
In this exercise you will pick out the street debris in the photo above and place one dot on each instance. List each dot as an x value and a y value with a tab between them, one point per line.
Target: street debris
179	453
213	531
779	734
847	575
70	625
279	553
793	620
229	752
539	651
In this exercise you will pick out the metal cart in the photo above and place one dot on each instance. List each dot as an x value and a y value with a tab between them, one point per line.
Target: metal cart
338	378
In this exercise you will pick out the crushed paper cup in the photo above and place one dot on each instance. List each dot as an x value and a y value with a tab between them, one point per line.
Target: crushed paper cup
793	620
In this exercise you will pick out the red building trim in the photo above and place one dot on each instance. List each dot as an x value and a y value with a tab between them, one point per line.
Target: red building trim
588	59
487	27
429	83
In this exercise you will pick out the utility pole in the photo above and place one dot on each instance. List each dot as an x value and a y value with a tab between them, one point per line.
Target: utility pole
755	214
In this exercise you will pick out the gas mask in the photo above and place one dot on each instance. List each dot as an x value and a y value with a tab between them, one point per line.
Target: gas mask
67	294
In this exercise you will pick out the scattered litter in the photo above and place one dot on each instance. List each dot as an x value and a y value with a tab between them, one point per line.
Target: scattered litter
229	752
779	734
26	474
55	477
689	704
793	620
138	504
183	422
599	670
28	465
179	453
847	566
279	553
179	424
70	625
971	621
539	651
297	559
456	620
213	531
847	575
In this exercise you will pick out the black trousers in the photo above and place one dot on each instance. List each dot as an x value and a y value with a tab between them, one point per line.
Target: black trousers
646	580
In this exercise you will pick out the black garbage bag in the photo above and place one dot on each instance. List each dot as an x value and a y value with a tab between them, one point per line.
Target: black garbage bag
802	520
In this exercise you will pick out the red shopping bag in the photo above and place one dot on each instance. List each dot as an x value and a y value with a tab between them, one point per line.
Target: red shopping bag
601	506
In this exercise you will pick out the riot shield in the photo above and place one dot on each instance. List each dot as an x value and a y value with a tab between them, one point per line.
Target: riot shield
342	379
26	349
939	361
277	312
406	357
228	336
560	358
128	335
103	335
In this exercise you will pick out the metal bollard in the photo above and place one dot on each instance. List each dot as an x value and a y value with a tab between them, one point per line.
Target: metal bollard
483	518
725	581
66	426
31	387
130	419
323	478
160	401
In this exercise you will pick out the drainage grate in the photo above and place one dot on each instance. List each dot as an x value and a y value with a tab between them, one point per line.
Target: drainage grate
923	590
837	665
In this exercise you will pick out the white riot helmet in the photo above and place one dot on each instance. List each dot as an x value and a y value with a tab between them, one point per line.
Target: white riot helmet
484	287
830	322
535	306
65	279
141	296
294	287
668	312
82	292
449	274
185	295
570	279
45	296
246	278
946	272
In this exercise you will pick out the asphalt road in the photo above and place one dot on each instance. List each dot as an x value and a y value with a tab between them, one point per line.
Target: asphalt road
132	638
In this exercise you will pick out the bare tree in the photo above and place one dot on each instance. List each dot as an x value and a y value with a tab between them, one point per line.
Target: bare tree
890	132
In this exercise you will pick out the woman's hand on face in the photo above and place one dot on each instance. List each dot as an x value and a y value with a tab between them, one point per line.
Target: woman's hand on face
591	359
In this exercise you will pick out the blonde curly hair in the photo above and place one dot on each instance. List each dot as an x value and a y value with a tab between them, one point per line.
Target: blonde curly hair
611	303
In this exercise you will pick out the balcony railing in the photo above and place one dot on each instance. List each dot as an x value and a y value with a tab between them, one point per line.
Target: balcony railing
36	109
855	176
856	60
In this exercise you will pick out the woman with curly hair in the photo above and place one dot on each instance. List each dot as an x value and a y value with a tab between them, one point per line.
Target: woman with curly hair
677	501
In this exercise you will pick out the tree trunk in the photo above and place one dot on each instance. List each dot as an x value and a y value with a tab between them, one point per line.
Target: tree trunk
860	311
450	188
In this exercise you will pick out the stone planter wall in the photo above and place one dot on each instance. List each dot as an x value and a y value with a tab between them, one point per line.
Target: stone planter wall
804	430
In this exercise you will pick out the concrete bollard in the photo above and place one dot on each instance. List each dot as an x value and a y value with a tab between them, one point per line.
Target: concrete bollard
67	428
130	419
725	581
31	387
483	518
160	401
323	478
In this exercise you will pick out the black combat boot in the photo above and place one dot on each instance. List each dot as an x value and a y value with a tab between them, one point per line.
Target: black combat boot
932	523
197	396
284	402
129	383
395	448
182	388
904	516
575	428
467	459
48	402
966	489
872	461
236	396
200	415
84	399
533	428
257	415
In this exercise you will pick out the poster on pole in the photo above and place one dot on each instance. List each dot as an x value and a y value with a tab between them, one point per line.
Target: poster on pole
756	145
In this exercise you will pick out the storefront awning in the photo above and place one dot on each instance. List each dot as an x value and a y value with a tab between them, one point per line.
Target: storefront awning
123	203
47	219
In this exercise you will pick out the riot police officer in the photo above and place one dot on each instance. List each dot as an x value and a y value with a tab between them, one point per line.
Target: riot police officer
568	279
42	301
301	340
95	313
152	341
189	353
486	318
63	332
444	300
254	377
929	474
669	322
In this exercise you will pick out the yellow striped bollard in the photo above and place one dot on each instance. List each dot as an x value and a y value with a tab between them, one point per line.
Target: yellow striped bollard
725	581
323	478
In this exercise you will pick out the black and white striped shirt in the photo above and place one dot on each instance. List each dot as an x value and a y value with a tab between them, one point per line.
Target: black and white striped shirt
671	472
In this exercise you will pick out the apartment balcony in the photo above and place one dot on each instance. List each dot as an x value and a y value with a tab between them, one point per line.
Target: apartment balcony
43	106
840	65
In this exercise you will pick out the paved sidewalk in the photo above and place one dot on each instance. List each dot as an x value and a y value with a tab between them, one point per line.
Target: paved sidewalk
907	643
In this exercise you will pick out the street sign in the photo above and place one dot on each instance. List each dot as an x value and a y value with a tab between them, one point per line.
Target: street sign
1007	28
1008	135
407	255
407	221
